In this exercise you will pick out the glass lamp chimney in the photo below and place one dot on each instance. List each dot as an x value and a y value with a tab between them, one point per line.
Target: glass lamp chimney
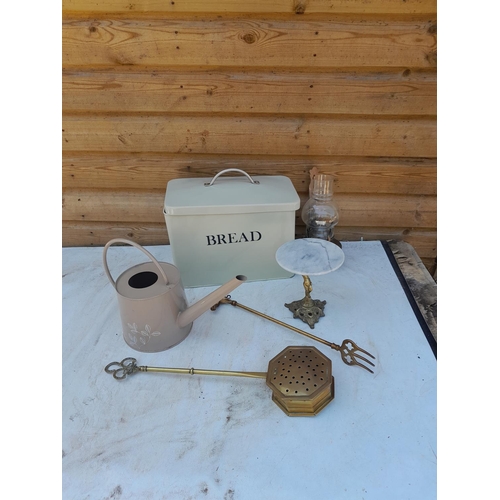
320	213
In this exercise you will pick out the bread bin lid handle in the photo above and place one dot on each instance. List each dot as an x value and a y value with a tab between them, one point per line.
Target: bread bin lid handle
208	184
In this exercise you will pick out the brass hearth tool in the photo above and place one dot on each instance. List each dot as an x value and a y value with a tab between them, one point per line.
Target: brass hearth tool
349	350
300	378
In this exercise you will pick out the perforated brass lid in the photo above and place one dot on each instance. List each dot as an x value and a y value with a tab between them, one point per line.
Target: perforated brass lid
301	380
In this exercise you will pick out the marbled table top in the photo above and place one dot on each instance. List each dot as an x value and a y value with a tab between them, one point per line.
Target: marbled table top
310	256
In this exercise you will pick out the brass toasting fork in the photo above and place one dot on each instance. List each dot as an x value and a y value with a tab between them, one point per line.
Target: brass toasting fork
349	350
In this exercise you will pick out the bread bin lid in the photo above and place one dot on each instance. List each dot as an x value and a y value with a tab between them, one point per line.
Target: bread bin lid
231	195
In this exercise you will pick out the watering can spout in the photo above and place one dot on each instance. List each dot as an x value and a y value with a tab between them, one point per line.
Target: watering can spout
191	313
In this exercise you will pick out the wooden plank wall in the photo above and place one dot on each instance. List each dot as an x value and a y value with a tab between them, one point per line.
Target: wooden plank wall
155	89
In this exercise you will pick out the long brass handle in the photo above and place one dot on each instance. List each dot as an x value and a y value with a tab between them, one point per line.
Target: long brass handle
128	366
277	321
197	371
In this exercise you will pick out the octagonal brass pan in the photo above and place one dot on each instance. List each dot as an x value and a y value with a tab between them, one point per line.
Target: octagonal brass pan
301	380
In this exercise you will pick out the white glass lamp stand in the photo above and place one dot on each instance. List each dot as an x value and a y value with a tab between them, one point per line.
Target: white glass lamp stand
309	257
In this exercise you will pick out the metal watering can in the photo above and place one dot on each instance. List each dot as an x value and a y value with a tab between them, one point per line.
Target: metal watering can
153	306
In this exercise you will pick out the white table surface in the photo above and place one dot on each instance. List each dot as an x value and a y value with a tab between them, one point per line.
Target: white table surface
160	436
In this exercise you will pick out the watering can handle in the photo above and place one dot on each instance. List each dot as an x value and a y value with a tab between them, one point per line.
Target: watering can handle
128	242
231	170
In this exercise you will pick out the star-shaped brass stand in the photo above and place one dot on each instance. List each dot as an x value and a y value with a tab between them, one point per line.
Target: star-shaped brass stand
307	309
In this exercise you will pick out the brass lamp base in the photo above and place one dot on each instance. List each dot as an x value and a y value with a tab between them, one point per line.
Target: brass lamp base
307	309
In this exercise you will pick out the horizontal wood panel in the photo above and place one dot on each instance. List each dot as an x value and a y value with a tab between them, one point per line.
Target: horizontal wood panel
351	175
147	206
252	135
382	210
254	6
396	93
247	42
157	90
99	233
424	240
90	233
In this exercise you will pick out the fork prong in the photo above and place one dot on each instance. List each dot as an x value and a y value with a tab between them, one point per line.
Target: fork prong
357	348
350	353
351	361
363	358
363	366
365	352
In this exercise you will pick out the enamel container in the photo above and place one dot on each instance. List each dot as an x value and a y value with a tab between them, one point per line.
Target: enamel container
224	226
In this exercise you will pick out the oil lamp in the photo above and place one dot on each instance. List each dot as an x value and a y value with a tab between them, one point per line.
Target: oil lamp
320	213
